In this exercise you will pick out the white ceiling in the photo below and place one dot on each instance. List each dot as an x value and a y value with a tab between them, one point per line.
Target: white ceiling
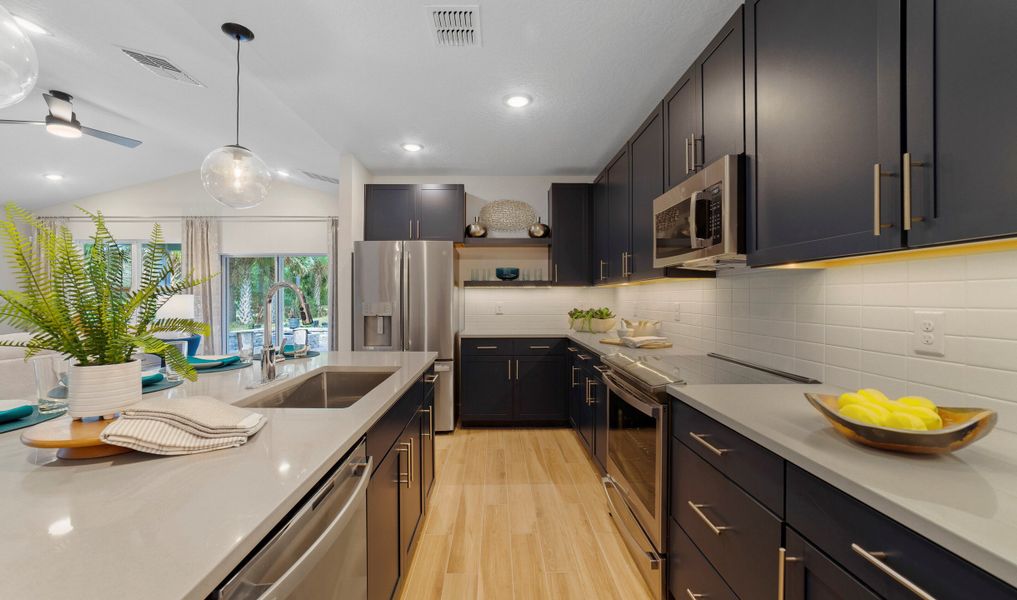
326	77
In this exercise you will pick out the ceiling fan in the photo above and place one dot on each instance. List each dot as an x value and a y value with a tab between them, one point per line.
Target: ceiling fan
63	122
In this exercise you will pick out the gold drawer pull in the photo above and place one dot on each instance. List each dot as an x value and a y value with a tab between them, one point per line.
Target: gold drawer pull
782	559
487	347
540	347
701	438
717	529
875	559
692	595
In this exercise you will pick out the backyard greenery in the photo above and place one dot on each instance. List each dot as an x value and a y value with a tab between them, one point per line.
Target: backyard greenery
74	301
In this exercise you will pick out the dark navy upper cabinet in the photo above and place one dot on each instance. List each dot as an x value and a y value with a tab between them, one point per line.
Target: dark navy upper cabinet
414	212
619	217
570	207
823	123
647	156
961	134
389	212
721	74
441	212
601	230
683	119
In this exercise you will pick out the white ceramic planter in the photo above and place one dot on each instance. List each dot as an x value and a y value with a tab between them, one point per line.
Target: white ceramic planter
102	390
593	325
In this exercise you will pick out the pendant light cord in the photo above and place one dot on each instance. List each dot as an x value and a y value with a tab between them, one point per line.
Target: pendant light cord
238	90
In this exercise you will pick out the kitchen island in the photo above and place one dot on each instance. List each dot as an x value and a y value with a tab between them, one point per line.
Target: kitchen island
145	526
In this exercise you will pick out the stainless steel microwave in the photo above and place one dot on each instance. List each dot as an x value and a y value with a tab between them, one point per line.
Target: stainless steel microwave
699	224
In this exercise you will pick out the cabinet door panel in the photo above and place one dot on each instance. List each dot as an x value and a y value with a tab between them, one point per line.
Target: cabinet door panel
540	389
389	212
486	386
683	116
721	82
619	210
441	210
647	148
601	267
825	98
383	529
962	82
810	575
410	498
570	208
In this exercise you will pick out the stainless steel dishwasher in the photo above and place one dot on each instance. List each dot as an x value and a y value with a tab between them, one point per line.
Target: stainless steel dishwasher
320	552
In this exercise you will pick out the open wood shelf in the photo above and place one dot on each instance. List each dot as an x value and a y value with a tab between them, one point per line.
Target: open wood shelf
506	242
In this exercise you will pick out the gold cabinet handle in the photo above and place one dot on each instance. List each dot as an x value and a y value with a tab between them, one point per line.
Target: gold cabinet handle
556	272
509	369
782	560
411	230
540	347
695	165
692	595
430	422
405	447
487	347
716	529
589	384
411	463
431	378
418	229
583	357
517	370
574	382
875	559
701	438
602	263
687	168
602	369
908	217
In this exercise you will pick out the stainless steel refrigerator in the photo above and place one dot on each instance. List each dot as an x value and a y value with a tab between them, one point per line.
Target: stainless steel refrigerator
405	299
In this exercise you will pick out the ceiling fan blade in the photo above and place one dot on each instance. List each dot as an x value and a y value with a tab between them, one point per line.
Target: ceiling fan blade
59	108
8	122
111	137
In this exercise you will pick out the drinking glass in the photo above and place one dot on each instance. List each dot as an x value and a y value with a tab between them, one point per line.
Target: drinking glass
171	373
300	342
50	383
245	345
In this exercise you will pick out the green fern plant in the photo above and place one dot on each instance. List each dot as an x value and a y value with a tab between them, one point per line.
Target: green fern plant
73	302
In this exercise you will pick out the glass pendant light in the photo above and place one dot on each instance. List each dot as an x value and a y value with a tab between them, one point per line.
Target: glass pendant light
19	65
234	175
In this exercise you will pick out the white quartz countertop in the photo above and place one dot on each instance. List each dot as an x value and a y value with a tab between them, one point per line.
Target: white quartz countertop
144	526
965	501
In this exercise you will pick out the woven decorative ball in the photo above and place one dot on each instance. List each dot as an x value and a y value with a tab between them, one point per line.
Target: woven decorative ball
507	215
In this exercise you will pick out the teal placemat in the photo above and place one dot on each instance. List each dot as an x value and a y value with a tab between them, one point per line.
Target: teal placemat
310	354
34	418
233	367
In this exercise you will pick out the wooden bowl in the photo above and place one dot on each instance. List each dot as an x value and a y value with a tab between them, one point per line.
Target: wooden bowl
961	427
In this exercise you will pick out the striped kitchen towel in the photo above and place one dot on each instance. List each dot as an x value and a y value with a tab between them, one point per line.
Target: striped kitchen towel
182	426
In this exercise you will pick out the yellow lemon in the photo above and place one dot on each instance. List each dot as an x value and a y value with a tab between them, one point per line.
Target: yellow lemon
902	420
862	412
876	396
850	398
931	418
917	401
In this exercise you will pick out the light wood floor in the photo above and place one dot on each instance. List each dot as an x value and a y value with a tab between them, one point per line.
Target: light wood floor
518	513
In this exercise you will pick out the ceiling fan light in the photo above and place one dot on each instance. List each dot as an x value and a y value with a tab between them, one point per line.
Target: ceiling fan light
61	128
19	65
235	177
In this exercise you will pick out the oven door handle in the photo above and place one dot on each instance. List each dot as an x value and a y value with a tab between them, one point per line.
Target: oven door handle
650	409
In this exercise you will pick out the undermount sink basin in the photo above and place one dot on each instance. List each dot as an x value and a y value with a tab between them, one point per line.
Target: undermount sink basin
331	389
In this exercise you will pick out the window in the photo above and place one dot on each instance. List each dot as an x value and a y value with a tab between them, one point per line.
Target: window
135	251
246	280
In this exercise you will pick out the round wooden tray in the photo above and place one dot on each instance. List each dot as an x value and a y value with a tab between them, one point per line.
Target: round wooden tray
75	439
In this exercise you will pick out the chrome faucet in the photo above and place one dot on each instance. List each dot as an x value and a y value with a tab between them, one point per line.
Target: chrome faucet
268	349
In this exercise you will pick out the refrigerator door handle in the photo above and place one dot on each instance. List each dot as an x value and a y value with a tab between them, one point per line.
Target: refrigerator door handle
405	299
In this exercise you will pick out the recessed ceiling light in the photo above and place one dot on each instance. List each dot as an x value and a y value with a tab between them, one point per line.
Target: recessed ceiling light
29	26
53	176
282	172
412	147
518	100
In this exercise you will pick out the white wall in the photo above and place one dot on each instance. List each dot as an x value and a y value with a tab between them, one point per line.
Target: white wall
851	326
483	189
352	178
183	195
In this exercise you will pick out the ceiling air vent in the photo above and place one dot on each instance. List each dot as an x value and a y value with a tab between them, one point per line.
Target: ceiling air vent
324	178
454	25
160	66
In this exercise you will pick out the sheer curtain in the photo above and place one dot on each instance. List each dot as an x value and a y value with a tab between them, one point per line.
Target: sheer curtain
200	253
333	284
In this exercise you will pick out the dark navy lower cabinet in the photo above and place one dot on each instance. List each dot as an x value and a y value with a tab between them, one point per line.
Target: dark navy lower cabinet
527	386
811	575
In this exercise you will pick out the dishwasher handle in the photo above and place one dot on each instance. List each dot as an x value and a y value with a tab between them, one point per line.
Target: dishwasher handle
282	587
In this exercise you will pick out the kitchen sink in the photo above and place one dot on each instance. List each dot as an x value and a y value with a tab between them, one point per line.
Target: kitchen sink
331	389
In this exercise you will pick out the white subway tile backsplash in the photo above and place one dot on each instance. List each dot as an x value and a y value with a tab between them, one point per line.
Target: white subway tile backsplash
937	269
993	293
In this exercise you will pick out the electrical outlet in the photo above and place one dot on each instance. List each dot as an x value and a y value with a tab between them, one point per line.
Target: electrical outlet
499	308
929	331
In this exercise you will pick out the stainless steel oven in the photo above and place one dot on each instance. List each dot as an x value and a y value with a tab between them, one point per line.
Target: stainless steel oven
698	224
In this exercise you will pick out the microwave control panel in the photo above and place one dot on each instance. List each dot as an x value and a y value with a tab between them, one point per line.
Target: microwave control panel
710	215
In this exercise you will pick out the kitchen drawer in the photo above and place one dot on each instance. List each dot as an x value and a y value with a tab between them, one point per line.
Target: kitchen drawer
390	426
539	346
756	469
735	533
486	347
844	528
690	574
